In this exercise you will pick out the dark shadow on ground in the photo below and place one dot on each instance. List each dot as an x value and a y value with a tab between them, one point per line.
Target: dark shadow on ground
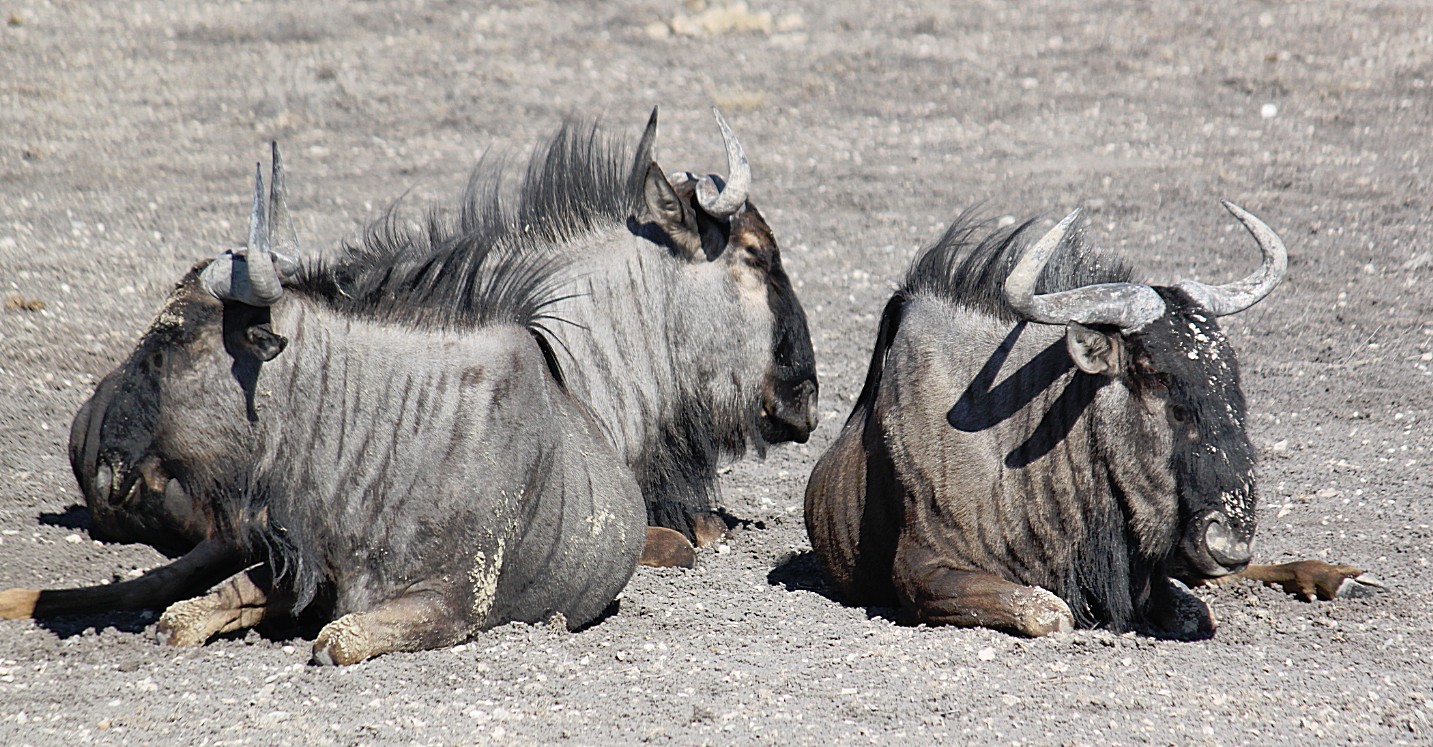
612	609
74	516
734	522
139	621
801	571
69	626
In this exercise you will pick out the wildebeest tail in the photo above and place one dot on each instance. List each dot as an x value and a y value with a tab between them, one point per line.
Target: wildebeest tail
206	565
885	334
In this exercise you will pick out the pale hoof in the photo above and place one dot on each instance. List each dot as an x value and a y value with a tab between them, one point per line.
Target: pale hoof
184	623
1041	613
18	604
341	643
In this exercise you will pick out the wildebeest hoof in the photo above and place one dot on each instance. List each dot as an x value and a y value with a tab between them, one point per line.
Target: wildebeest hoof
1177	614
1040	613
667	548
709	529
185	623
341	643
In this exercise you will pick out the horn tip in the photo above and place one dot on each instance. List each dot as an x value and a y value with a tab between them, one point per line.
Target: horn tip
721	121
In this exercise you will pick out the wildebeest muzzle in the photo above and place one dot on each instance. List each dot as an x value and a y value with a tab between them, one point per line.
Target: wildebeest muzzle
1212	547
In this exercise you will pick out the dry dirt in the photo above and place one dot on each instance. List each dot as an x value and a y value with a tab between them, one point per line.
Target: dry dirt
128	133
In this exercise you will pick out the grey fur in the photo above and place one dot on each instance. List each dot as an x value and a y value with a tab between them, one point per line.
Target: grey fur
377	464
682	339
980	460
671	347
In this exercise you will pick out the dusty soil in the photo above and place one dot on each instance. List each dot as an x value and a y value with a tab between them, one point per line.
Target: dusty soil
128	132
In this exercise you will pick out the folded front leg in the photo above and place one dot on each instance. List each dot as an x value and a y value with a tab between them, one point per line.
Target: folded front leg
235	604
416	621
940	595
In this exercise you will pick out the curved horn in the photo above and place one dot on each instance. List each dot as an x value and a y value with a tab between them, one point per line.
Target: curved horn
257	284
264	287
645	156
1125	305
1232	298
283	236
723	202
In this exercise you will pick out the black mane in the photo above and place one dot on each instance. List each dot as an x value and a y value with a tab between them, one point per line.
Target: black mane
483	265
968	265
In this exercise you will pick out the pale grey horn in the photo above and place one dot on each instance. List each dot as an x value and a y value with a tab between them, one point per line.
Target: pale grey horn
249	277
1232	298
263	280
1128	306
284	238
724	202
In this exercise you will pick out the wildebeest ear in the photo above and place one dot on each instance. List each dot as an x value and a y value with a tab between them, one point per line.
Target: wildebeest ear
666	208
264	342
1093	351
661	200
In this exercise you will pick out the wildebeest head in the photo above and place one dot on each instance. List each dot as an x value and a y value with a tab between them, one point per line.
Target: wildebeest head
131	453
1180	370
710	219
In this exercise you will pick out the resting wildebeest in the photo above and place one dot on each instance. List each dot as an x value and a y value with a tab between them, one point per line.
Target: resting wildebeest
683	334
678	330
1042	443
418	478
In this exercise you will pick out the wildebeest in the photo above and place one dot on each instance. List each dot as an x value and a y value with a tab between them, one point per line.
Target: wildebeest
682	333
1042	442
670	317
420	478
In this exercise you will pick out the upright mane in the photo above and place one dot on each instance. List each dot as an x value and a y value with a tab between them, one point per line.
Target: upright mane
481	264
968	265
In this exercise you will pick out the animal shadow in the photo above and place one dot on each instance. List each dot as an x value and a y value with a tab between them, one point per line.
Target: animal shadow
74	516
69	626
801	571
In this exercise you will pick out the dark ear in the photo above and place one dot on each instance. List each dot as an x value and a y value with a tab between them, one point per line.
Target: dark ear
1093	351
264	343
669	211
663	204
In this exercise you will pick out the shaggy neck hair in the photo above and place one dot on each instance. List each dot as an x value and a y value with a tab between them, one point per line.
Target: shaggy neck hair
627	318
968	265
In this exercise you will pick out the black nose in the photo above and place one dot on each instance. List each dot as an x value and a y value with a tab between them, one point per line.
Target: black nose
805	394
790	415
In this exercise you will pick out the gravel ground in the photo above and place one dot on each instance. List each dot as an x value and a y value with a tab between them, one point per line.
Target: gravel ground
128	132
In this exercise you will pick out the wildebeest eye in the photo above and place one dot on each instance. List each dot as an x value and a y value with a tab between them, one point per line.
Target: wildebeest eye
756	257
1179	414
155	360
